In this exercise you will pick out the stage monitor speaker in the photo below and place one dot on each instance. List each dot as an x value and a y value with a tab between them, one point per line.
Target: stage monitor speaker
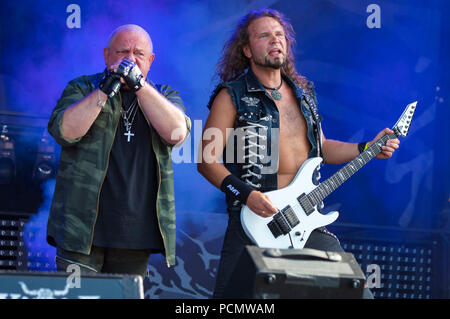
60	285
295	274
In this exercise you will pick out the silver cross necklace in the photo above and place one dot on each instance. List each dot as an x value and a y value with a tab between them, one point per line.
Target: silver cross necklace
128	114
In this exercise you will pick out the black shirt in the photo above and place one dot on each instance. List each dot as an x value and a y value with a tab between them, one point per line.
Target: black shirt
127	210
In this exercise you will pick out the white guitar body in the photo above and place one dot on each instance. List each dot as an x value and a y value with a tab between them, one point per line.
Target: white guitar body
256	227
297	215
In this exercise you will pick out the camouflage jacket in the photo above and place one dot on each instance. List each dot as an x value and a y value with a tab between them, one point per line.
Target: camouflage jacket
82	170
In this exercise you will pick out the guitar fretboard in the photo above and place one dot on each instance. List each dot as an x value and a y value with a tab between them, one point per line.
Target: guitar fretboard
326	188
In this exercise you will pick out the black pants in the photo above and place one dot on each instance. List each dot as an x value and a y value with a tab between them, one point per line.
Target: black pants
236	240
106	260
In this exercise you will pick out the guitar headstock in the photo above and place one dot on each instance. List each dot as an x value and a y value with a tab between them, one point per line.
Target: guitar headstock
401	128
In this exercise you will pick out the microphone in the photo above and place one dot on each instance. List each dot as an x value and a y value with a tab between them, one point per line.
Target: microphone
110	84
114	88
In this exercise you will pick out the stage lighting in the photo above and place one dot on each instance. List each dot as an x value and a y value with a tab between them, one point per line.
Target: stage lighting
45	165
405	268
12	247
7	158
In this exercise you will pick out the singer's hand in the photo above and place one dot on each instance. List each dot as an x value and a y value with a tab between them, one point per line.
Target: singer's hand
110	83
131	73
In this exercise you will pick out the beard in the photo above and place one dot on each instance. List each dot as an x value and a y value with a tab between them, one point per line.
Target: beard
268	62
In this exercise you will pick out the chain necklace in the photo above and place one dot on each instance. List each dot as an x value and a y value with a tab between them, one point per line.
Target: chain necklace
126	115
275	93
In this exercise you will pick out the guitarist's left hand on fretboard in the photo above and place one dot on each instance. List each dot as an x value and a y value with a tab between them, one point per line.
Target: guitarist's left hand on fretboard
391	145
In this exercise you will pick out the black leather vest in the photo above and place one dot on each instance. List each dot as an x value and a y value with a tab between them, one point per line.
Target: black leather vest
251	152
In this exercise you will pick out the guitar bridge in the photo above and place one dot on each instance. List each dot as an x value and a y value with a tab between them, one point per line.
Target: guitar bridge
283	222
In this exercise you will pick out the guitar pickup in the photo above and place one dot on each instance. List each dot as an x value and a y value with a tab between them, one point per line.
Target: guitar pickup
305	203
290	216
283	222
274	228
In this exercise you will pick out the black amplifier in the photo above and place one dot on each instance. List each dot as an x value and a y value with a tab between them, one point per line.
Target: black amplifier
295	274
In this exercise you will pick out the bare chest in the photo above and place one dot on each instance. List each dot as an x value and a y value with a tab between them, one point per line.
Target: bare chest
294	146
292	121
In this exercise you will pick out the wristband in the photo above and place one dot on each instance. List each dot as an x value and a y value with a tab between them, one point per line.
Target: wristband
235	188
362	147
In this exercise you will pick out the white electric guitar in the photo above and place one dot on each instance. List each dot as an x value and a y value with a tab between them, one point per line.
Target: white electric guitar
297	203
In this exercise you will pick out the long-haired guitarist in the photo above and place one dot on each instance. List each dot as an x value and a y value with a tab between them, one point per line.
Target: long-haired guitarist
266	113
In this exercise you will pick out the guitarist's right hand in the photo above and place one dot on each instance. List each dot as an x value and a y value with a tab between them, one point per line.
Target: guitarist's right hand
260	204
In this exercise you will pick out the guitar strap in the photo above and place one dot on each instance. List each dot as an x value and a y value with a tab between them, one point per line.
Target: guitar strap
312	106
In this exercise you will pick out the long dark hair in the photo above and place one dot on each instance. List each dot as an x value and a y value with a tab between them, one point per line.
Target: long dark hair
233	62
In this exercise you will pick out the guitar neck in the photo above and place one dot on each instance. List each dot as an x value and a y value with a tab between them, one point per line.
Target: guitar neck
326	188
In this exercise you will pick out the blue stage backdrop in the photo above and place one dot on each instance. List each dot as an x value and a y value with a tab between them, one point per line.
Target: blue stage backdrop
368	60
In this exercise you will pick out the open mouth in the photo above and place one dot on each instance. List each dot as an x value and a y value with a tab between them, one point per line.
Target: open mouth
275	52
